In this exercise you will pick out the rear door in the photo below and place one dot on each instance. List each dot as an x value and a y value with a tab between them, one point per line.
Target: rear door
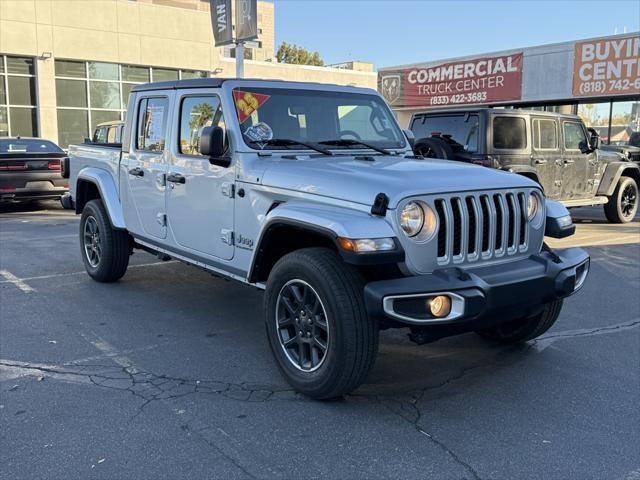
146	166
576	165
546	155
199	206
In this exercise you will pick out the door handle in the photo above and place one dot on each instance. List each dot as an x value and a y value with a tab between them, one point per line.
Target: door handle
569	162
176	178
539	161
136	172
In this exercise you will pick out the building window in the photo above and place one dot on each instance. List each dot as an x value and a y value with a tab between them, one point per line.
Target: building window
625	123
18	113
91	93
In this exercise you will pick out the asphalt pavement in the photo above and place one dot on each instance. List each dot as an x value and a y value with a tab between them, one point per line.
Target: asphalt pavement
167	374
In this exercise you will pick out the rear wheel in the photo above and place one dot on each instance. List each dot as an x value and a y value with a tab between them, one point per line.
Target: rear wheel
623	204
317	325
522	330
104	250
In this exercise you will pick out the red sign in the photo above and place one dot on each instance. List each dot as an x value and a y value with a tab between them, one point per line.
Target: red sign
481	80
247	103
606	67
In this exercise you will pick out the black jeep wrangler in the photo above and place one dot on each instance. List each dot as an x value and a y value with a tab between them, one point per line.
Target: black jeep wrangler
555	150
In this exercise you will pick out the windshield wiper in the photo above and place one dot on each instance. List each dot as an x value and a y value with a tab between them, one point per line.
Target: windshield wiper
348	142
285	142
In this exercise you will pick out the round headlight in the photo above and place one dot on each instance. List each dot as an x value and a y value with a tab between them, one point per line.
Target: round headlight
532	206
412	219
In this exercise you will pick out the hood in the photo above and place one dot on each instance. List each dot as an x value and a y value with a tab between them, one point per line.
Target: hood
347	178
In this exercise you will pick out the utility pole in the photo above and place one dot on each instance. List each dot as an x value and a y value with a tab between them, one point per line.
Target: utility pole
240	60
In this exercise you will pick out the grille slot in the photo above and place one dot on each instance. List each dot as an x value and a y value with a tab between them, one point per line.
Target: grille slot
481	226
473	225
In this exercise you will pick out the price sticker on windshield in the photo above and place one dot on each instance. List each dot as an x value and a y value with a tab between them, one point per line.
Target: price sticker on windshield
247	103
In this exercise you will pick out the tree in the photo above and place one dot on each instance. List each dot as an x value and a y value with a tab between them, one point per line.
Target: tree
288	53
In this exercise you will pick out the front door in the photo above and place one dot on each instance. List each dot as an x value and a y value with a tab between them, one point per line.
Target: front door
576	165
546	155
200	210
146	166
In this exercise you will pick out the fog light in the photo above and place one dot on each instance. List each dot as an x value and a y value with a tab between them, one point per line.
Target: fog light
439	306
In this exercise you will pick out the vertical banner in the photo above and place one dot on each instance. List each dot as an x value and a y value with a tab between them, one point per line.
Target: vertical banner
221	22
607	67
246	20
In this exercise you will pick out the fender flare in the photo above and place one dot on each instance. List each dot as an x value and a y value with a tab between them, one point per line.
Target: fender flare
329	222
525	170
108	193
612	175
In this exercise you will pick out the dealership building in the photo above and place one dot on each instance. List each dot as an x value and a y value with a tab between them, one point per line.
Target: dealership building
67	65
598	79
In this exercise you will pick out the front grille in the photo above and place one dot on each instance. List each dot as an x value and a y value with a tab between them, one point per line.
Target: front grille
634	157
481	226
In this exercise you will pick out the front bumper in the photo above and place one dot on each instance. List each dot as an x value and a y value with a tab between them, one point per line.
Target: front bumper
485	295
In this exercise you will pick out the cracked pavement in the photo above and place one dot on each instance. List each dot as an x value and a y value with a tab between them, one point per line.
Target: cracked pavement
168	374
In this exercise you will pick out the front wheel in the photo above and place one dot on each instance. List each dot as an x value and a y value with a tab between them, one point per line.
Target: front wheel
317	325
104	250
522	330
623	204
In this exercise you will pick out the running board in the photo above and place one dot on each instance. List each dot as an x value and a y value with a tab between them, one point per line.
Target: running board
585	202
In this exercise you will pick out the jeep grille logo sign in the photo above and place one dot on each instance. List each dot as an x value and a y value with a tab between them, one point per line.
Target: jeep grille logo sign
246	20
482	80
607	67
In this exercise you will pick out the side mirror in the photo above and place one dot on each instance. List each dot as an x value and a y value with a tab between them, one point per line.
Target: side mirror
212	146
410	137
584	147
594	139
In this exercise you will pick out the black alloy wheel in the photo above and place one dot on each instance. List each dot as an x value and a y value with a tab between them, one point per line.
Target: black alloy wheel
302	325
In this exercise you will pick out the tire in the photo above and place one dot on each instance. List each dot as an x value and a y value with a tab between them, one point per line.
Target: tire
108	261
338	320
623	204
523	330
433	148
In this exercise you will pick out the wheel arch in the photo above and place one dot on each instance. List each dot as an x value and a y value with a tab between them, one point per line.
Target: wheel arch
93	183
290	227
526	171
612	175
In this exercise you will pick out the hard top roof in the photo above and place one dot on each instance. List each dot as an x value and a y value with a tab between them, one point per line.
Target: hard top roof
216	83
512	111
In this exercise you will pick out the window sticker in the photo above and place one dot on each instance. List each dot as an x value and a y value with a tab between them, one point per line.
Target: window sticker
247	103
260	132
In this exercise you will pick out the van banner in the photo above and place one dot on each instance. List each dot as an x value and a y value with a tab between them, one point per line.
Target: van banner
221	22
607	67
481	80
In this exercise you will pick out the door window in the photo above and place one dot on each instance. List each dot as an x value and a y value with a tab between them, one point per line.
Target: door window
545	135
152	118
509	133
197	113
573	135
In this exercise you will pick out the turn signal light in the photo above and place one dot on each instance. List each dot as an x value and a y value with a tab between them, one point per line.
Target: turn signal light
364	245
440	306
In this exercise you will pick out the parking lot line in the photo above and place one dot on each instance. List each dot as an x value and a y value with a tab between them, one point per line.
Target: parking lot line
11	278
110	351
83	272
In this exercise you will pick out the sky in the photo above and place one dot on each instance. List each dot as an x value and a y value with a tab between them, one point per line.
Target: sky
396	32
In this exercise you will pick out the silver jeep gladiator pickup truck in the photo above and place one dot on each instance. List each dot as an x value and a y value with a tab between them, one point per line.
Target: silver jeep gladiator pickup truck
312	193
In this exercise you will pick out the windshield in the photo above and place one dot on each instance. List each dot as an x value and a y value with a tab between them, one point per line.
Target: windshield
312	116
463	129
28	146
